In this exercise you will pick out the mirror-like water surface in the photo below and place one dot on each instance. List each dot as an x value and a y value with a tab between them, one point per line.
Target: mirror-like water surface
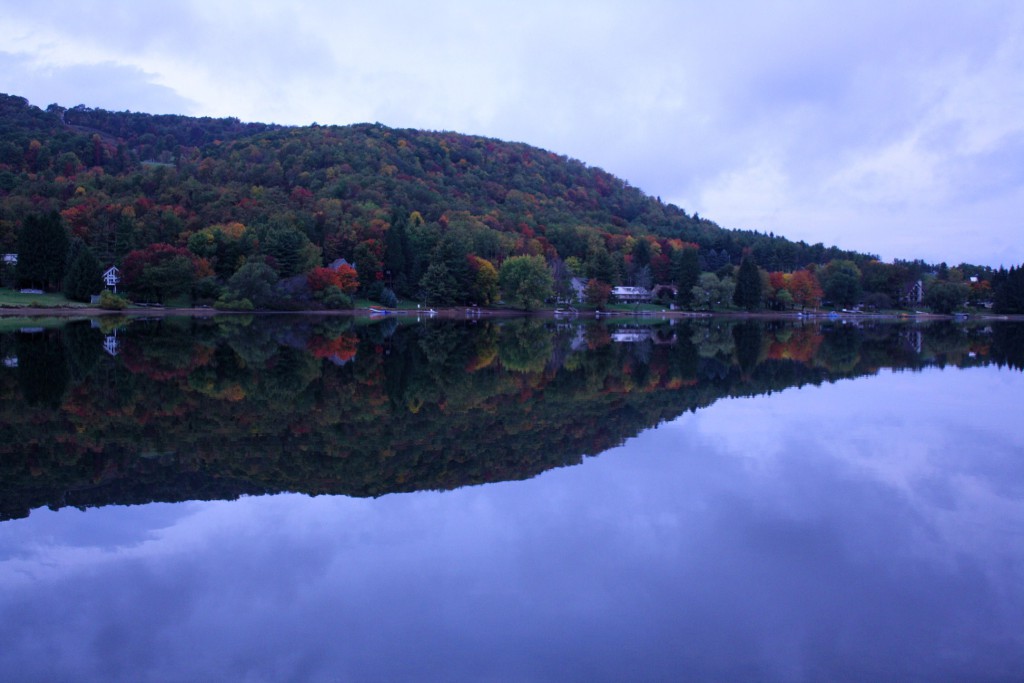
765	502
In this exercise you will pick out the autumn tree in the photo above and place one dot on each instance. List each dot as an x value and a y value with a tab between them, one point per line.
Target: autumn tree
597	293
484	288
344	278
804	288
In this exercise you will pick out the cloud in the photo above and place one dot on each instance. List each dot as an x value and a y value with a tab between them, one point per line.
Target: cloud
104	85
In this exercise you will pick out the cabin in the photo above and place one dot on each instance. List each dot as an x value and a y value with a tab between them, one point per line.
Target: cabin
338	263
914	294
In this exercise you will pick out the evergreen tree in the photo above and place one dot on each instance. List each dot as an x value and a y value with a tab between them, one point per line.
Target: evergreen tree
42	251
601	266
396	256
1009	291
748	286
84	276
687	266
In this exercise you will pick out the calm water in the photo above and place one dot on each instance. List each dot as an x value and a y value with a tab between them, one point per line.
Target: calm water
705	501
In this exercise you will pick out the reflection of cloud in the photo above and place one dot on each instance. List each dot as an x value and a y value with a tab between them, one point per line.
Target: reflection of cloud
919	447
808	534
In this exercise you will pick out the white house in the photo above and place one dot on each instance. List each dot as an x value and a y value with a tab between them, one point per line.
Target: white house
111	277
631	294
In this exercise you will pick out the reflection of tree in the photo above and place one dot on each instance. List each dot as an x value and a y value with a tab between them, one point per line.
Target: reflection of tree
713	339
42	367
524	346
423	407
840	349
84	347
748	338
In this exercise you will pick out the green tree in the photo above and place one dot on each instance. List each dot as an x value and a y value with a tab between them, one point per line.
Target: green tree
42	251
84	276
290	250
253	281
396	256
1008	296
945	297
841	282
686	266
748	286
713	292
601	266
439	287
525	281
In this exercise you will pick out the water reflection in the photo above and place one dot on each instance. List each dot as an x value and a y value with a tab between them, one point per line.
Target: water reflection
851	531
182	409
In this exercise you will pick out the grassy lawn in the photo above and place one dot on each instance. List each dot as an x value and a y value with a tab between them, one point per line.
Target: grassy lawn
631	308
12	297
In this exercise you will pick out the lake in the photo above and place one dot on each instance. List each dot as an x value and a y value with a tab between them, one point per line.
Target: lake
332	499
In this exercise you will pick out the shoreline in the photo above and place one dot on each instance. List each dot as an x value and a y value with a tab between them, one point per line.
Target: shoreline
464	313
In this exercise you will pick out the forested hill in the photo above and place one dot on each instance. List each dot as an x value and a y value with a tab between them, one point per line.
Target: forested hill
125	180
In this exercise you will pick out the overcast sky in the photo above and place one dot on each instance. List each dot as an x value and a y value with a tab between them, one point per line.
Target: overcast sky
894	127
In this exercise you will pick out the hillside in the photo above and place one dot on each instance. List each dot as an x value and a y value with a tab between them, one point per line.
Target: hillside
224	193
332	180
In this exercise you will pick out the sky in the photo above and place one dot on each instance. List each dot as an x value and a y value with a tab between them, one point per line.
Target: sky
892	127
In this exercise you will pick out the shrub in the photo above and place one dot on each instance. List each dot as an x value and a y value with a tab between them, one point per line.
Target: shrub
336	299
225	303
111	301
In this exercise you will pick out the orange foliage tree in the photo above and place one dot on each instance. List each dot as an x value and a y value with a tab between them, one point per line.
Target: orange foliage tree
343	277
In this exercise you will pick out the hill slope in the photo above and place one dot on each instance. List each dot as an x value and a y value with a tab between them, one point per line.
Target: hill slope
339	185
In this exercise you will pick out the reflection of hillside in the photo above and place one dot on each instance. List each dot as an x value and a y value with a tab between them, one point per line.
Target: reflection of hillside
201	409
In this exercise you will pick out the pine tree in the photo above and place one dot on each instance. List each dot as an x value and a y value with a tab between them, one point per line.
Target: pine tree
42	251
84	276
1009	293
687	265
748	286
